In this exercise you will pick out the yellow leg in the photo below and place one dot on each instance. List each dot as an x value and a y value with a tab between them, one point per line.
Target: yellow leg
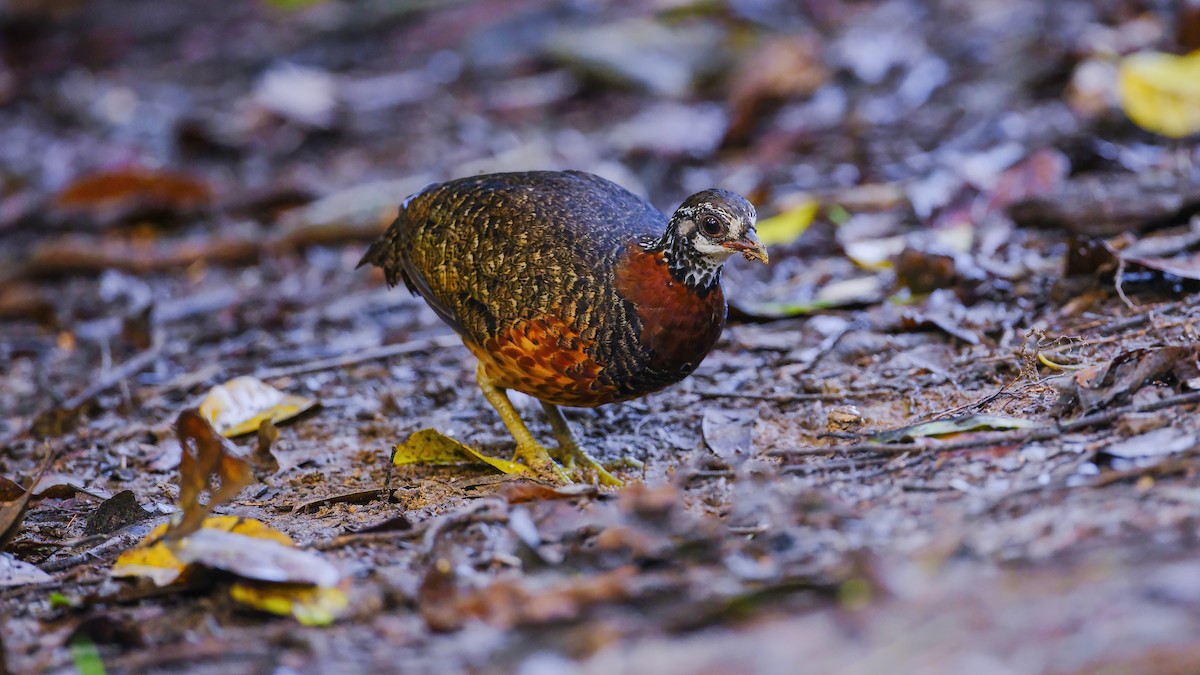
528	450
569	452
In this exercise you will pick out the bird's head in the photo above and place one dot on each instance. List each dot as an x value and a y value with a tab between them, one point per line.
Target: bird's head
707	229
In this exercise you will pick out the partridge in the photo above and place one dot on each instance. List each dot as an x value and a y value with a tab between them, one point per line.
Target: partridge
569	288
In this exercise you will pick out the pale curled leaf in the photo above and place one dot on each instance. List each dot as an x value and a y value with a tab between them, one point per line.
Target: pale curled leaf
1161	441
242	404
13	512
255	558
15	572
729	433
952	426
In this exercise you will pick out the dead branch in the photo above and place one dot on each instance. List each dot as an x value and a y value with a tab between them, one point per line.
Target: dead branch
372	354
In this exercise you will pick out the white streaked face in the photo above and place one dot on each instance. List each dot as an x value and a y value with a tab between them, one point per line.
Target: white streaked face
711	229
705	231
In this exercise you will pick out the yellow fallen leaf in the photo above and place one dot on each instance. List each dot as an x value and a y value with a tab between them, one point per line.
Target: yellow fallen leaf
428	446
242	404
311	605
154	560
1161	92
787	226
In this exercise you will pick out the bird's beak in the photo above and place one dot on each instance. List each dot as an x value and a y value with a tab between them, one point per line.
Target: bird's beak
749	246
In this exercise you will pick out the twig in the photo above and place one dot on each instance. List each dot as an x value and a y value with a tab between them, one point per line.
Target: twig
118	374
372	537
836	465
356	497
121	540
827	345
372	354
706	473
1145	317
791	398
975	405
1109	415
1020	437
1118	282
429	529
891	466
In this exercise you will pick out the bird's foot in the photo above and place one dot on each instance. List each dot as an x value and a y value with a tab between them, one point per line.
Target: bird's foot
627	463
536	458
583	466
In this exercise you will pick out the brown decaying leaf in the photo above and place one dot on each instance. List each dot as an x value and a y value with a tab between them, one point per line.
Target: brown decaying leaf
205	454
925	269
80	254
912	320
27	301
1098	386
265	460
729	433
106	629
1041	173
522	491
1146	260
13	512
943	311
10	490
1090	257
124	193
1187	28
437	596
786	67
1102	205
399	523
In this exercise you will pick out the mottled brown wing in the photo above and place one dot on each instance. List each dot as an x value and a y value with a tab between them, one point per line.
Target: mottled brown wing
491	251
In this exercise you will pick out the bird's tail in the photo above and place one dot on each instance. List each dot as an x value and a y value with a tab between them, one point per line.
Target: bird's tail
387	251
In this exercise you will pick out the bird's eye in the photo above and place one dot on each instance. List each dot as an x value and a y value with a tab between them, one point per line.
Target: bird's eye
711	226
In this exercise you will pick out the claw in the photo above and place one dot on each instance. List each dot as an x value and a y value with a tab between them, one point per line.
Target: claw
583	466
578	462
536	458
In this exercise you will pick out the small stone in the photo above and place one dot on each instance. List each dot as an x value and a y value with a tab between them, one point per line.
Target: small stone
845	419
116	512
